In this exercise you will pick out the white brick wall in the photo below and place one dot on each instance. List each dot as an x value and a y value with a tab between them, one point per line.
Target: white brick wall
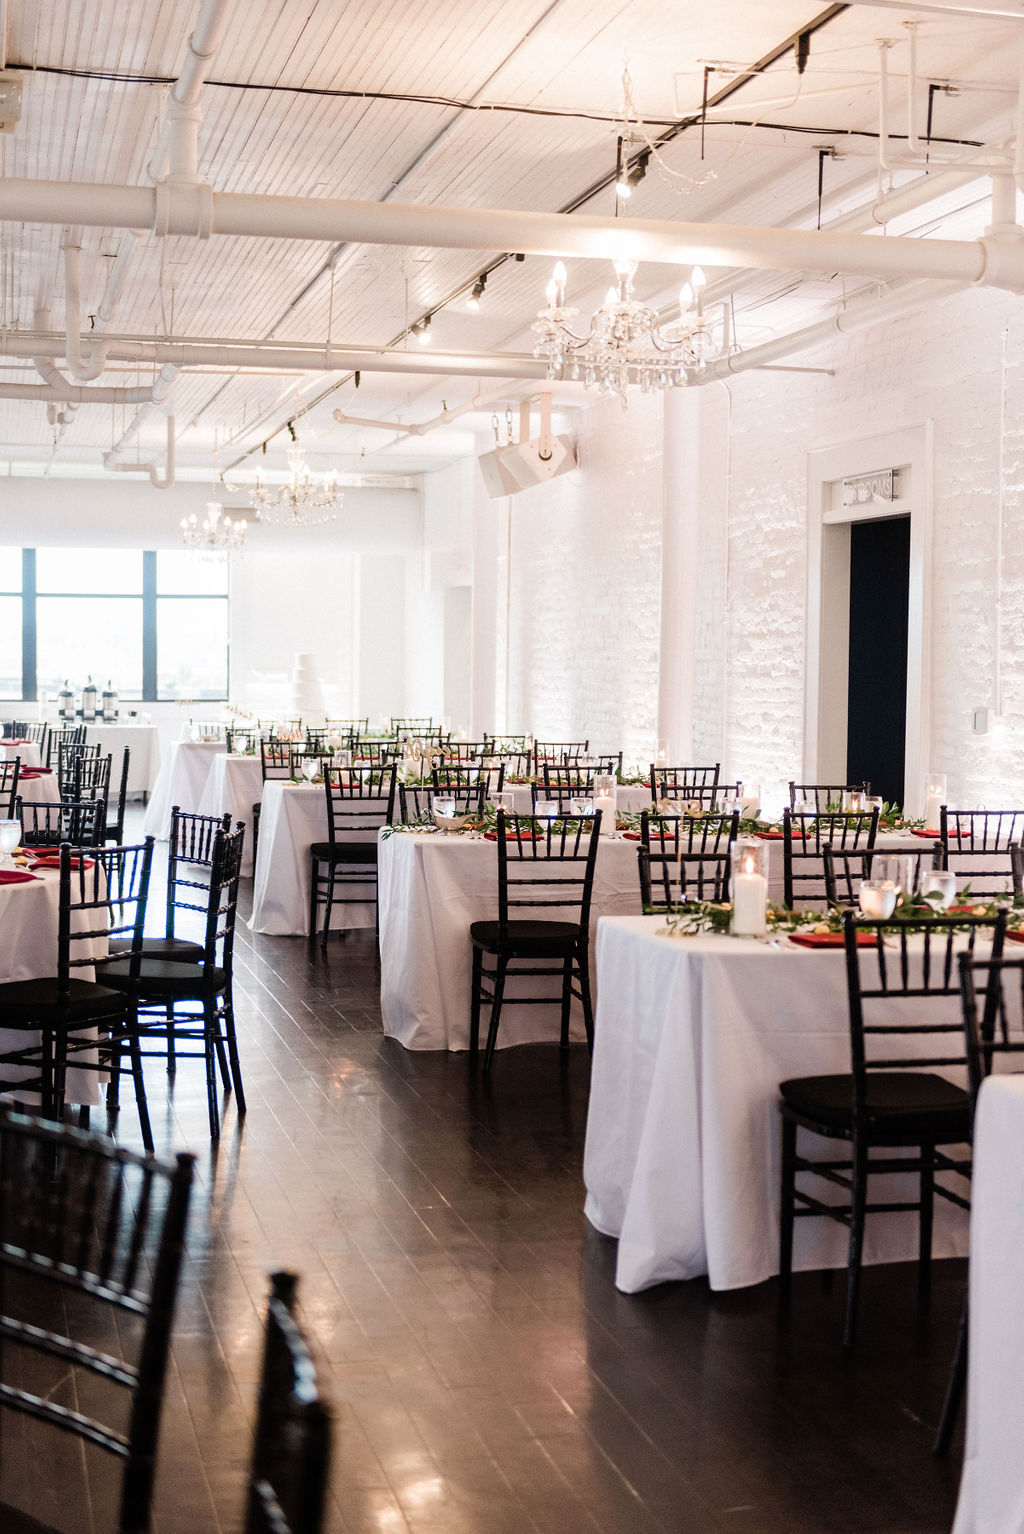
585	574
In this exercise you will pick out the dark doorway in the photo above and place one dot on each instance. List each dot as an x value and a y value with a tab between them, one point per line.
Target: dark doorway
877	697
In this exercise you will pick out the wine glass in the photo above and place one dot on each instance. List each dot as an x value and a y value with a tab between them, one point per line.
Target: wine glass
10	836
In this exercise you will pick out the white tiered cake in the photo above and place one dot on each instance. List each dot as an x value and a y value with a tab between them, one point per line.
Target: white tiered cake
307	694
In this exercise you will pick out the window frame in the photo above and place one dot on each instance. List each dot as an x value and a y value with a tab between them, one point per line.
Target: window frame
150	598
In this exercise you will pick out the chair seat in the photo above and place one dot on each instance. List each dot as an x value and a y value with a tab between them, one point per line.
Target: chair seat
904	1102
344	852
162	977
178	949
33	1001
526	939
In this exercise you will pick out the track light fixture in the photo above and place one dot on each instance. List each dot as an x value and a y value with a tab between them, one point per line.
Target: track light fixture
421	329
628	176
473	301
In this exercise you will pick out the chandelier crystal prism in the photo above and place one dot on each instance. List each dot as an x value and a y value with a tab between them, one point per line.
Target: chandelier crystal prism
213	535
303	501
627	344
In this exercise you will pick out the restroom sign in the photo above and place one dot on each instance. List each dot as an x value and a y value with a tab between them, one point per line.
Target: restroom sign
862	489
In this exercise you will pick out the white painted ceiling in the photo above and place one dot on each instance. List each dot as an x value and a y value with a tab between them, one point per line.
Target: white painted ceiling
481	103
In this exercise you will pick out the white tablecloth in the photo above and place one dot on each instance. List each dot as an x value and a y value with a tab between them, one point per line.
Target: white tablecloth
235	783
294	816
693	1037
26	751
28	951
143	740
992	1487
44	789
180	781
431	888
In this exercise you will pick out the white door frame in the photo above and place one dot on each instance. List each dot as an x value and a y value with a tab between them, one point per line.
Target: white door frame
828	598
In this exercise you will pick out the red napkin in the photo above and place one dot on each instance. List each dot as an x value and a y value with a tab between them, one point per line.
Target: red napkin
510	836
34	772
54	862
931	834
15	876
778	836
1015	937
830	939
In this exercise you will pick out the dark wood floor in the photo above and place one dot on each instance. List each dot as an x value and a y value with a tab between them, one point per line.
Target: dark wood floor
487	1376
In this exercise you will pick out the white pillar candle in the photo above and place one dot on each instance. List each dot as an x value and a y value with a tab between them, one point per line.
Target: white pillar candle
606	804
750	808
749	904
933	812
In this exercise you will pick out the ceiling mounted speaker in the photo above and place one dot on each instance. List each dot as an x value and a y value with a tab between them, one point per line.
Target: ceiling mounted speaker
520	466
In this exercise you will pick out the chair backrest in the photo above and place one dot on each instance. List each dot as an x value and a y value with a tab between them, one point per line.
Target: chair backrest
103	894
276	758
826	797
843	871
576	776
81	823
115	822
241	740
288	1474
804	837
991	1026
222	900
978	842
514	764
906	964
359	801
69	753
302	752
561	753
376	753
551	868
415	803
498	745
410	725
684	857
91	1237
91	778
679	782
464	750
9	772
189	860
73	735
451	776
469	793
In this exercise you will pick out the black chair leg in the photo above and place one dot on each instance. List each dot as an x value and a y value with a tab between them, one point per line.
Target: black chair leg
328	907
786	1205
135	1055
313	891
858	1201
232	1042
583	965
210	1036
172	1064
566	1001
499	992
924	1241
955	1388
474	1005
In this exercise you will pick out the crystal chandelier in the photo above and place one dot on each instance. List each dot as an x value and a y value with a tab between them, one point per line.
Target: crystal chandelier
212	536
300	503
627	343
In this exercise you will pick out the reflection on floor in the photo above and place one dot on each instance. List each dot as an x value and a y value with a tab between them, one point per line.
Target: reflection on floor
487	1376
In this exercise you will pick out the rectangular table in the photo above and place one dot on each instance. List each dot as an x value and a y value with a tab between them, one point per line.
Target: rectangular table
234	785
992	1486
143	740
180	781
692	1037
292	817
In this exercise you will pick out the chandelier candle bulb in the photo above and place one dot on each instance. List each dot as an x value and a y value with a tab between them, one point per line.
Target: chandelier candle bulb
749	889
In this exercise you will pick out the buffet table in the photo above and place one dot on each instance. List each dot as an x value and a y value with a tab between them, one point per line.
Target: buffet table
180	781
143	740
692	1037
992	1487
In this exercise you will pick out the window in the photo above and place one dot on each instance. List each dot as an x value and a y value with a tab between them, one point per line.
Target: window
155	624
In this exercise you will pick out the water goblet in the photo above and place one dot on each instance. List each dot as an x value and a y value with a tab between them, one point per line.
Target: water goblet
10	836
547	809
941	884
310	768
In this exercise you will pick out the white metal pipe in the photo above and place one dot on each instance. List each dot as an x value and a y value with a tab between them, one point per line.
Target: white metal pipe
77	366
162	385
161	481
357	420
913	142
185	92
73	394
189	210
856	317
295	357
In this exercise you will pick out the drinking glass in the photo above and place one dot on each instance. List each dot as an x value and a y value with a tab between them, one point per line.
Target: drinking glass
879	893
940	882
506	801
10	836
547	809
581	805
444	805
310	768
